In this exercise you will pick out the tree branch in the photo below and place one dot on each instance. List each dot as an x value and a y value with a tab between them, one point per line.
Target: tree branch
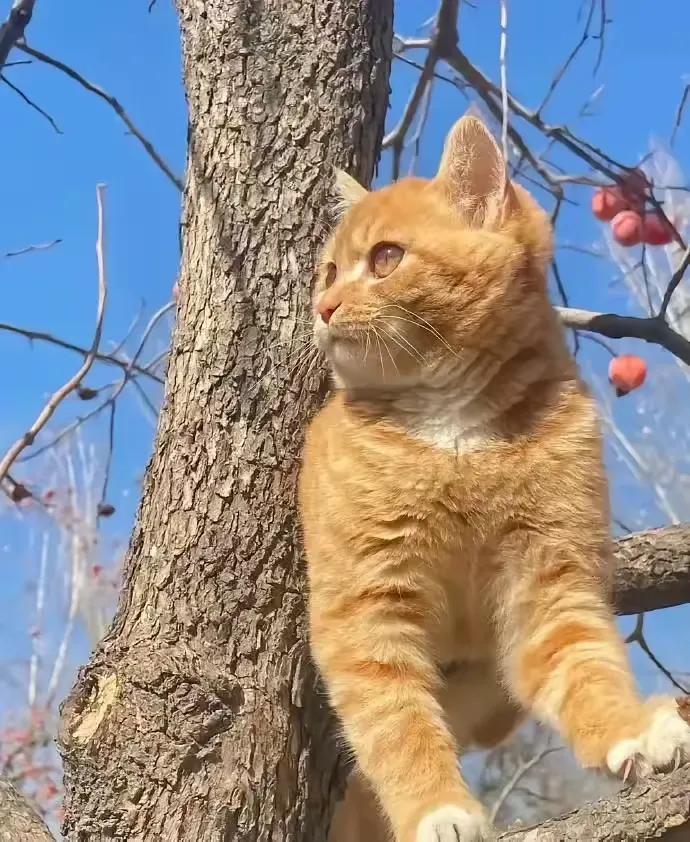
656	808
111	359
18	821
13	28
653	570
113	103
57	397
653	329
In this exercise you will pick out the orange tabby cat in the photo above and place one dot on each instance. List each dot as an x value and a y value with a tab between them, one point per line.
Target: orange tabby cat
455	506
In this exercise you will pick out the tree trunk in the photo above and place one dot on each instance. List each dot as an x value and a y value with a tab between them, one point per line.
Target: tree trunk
19	822
198	717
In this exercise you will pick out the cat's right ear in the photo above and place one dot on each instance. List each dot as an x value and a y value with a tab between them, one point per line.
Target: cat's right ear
473	173
348	190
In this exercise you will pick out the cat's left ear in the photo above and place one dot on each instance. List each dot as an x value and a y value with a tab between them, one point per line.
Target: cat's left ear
473	174
348	190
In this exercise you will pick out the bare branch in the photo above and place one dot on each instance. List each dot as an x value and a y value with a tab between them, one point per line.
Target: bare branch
654	329
57	397
562	70
443	37
37	247
638	637
673	283
113	103
110	359
13	28
653	570
679	113
656	808
504	79
522	769
31	103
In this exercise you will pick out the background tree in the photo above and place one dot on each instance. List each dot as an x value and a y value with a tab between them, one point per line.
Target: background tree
205	664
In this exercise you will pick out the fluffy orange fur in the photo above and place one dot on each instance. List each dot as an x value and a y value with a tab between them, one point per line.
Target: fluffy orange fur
454	504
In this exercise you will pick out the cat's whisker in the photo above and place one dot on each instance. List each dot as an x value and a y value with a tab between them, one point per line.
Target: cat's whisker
301	335
407	345
307	365
378	342
422	322
304	355
393	339
388	350
312	364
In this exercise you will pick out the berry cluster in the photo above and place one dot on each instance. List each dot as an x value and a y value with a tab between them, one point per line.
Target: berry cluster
624	207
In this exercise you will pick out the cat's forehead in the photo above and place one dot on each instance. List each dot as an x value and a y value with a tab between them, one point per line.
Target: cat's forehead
387	213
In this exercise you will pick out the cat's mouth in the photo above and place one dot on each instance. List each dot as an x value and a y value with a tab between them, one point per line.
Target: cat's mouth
339	332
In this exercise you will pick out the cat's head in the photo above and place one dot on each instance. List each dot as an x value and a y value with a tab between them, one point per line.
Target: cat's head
422	271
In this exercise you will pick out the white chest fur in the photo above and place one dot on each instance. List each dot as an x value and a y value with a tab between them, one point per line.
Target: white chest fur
452	415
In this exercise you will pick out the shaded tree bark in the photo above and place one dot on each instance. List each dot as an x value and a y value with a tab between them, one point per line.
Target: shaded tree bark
198	717
657	808
653	570
18	820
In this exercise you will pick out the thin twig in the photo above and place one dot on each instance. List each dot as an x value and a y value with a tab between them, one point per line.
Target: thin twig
504	79
562	70
519	774
676	278
443	38
37	247
57	397
679	113
113	103
41	336
637	636
109	458
31	103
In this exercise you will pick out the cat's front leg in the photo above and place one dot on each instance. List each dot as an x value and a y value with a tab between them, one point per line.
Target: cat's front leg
373	650
565	660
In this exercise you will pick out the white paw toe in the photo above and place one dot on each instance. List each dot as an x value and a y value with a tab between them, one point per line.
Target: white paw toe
453	824
664	745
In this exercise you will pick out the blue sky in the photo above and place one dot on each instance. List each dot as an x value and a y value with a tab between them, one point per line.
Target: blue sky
49	192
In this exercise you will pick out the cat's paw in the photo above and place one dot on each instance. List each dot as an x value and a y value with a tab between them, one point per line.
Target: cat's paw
663	745
450	823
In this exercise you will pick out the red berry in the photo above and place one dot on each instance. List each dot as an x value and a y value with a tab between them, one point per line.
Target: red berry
627	228
607	202
656	230
19	492
626	373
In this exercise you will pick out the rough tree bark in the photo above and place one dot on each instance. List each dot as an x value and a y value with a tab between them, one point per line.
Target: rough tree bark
198	717
18	820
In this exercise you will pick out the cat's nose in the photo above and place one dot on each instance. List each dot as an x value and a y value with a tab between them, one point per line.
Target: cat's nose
326	312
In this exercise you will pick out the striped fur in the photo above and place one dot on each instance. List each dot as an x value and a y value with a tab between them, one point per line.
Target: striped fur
455	510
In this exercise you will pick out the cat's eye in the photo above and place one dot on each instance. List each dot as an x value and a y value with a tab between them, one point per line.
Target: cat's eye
385	257
331	272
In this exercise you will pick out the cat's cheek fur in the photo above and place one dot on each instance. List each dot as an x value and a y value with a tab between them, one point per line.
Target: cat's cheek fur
665	743
449	823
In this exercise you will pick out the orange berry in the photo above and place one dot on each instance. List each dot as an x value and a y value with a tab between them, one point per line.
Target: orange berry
627	228
656	231
626	373
607	202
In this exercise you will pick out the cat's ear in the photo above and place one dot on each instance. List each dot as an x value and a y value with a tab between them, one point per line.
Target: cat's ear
473	173
348	190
